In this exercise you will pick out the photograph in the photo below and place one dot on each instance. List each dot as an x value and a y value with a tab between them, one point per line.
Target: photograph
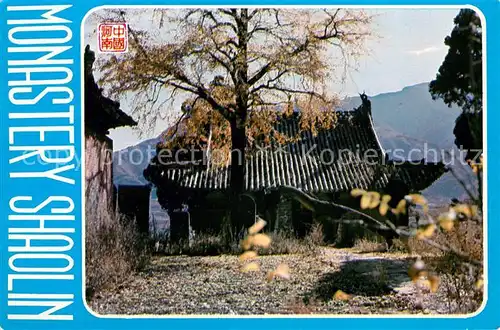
283	161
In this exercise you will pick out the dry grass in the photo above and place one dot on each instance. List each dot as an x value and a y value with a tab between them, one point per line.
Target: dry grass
288	244
113	251
366	245
217	244
467	237
111	258
216	285
458	280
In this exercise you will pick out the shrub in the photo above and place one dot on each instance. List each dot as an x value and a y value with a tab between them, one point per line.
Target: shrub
113	250
367	245
204	244
459	279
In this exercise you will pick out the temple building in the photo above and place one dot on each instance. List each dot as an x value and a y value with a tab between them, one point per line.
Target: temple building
327	165
101	115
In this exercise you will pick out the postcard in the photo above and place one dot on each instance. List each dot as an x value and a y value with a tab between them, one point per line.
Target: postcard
249	164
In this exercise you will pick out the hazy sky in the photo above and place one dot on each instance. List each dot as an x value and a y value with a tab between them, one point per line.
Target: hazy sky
409	50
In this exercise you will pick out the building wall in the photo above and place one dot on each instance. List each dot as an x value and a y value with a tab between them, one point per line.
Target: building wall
284	214
100	197
207	215
133	203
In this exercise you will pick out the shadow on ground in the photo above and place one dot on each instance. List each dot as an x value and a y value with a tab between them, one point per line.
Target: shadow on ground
365	277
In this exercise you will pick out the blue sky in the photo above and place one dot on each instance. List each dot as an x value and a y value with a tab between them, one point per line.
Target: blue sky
408	49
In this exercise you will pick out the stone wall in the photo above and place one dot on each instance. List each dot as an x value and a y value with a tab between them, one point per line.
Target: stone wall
100	197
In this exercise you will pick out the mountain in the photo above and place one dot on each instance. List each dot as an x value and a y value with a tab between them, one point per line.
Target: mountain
408	122
129	163
410	118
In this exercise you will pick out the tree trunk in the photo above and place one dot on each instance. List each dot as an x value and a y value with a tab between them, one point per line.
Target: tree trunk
238	134
238	141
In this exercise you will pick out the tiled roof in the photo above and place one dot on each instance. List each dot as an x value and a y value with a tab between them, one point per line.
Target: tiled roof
332	161
418	175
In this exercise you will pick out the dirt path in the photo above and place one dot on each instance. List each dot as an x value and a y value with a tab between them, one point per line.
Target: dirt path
214	285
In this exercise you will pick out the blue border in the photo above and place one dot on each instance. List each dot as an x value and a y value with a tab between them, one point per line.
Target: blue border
488	319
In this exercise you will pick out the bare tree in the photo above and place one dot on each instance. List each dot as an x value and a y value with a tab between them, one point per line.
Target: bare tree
240	62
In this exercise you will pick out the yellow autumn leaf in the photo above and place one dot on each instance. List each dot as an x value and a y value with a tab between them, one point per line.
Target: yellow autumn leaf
341	295
383	209
469	211
417	199
370	200
375	200
426	231
420	200
384	206
282	271
365	201
476	167
386	198
400	208
270	276
480	283
423	282
416	270
246	244
433	283
447	219
446	223
261	240
255	228
248	255
357	192
250	267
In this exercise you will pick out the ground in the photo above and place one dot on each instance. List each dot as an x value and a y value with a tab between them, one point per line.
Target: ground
378	283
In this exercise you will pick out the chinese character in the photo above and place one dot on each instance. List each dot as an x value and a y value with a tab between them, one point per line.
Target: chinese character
119	44
113	37
119	31
106	44
106	31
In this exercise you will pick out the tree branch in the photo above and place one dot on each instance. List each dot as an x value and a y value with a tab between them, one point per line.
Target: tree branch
327	207
196	89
